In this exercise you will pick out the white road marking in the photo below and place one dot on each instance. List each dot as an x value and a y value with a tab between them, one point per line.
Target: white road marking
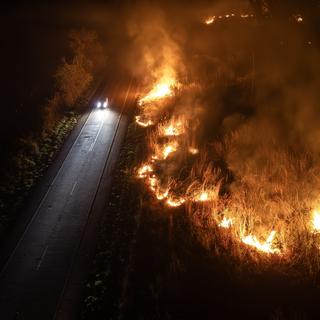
74	186
42	256
95	140
5	267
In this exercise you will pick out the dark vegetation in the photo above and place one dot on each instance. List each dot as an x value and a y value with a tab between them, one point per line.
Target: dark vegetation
30	161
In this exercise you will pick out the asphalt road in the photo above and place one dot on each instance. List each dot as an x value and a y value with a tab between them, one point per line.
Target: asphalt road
34	277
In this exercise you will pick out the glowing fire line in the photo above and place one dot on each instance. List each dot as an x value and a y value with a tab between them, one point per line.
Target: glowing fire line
146	171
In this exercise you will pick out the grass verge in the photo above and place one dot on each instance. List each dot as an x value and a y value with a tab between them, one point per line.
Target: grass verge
28	165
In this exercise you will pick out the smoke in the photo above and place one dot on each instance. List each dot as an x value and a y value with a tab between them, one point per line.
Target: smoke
246	87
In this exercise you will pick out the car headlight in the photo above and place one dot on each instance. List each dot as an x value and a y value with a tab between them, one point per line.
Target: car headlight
98	104
105	104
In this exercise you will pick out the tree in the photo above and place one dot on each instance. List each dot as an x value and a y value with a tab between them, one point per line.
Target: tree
72	80
87	49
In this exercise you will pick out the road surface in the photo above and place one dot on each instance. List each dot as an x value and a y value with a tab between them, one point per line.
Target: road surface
34	277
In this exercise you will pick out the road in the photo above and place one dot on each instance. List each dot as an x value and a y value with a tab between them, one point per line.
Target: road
35	275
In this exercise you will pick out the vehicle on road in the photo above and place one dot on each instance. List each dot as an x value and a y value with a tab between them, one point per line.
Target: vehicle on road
103	104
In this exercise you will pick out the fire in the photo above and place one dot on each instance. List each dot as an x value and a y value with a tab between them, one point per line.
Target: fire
193	150
316	221
161	195
175	202
160	91
141	123
208	194
171	131
165	151
266	247
298	18
144	170
204	196
153	183
210	20
225	223
174	127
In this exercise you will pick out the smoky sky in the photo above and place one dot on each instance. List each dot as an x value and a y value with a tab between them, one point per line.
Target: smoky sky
265	68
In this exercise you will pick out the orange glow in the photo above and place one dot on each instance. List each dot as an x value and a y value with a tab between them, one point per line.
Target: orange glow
174	127
171	131
141	123
161	90
316	221
153	182
175	202
144	170
266	246
204	196
210	20
208	194
161	195
163	152
298	18
167	150
225	223
193	150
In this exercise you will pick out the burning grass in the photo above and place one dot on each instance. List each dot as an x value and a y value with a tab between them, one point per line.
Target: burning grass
267	209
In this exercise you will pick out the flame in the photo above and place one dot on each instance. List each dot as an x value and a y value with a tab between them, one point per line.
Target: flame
144	170
266	247
141	123
163	152
174	127
171	130
153	183
298	18
225	223
316	220
161	195
168	149
209	194
204	196
193	150
161	90
210	20
175	202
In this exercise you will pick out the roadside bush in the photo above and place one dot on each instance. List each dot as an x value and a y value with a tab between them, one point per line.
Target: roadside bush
74	76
